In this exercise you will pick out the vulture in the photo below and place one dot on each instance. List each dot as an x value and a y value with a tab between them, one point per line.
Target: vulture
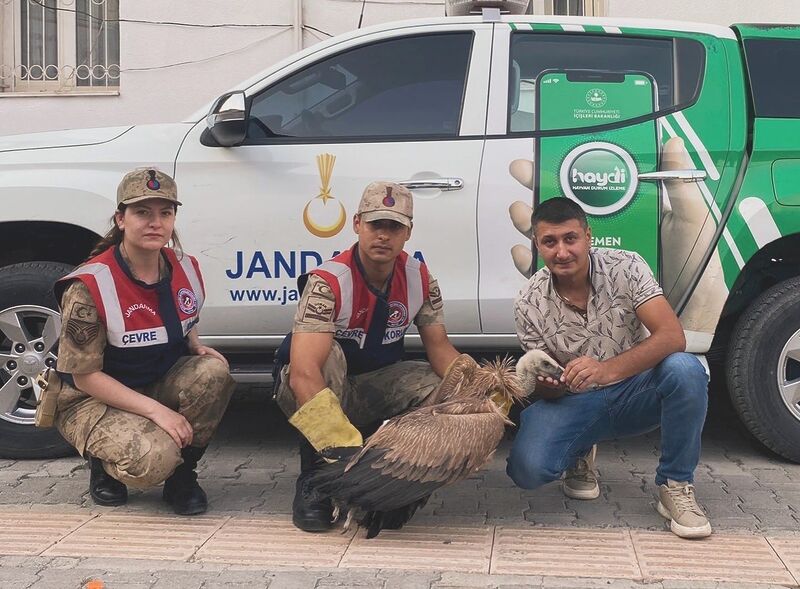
536	363
449	436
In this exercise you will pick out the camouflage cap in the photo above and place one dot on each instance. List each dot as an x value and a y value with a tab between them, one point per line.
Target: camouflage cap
145	183
387	200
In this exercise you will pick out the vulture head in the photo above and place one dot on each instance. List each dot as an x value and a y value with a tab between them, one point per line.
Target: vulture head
536	363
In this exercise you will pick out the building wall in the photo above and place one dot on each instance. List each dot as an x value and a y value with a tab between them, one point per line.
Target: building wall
721	12
170	71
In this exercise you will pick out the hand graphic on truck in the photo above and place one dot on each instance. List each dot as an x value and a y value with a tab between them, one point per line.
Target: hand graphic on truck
685	224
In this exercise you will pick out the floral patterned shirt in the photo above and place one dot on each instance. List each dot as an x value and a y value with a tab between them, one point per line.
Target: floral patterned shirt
621	281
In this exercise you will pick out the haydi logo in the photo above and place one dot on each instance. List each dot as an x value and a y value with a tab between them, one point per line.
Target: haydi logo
601	177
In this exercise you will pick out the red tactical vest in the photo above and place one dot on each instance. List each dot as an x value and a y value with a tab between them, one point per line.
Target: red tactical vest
146	325
369	330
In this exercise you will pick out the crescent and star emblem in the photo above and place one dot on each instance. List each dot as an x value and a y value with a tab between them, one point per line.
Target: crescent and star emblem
324	208
324	230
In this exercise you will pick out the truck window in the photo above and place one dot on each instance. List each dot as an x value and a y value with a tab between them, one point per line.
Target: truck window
407	88
676	64
775	89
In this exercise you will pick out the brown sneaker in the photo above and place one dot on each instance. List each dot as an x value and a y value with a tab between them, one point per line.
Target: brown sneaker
580	481
677	503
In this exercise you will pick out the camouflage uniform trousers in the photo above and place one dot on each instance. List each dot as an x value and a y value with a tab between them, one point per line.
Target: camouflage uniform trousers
133	449
369	397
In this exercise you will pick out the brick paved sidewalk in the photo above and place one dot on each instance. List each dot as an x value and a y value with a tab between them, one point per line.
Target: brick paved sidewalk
752	497
271	543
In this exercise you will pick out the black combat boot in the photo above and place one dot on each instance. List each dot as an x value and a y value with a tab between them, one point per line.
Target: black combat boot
181	489
310	513
105	489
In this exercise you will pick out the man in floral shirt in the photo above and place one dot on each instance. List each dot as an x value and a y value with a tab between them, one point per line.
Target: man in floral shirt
602	315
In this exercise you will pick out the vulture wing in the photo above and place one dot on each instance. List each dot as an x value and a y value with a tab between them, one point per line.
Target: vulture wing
453	434
411	456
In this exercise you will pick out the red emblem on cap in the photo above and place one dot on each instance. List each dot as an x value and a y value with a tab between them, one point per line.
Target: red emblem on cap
388	200
153	183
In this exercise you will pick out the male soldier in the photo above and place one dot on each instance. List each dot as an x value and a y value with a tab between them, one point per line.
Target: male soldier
345	362
592	310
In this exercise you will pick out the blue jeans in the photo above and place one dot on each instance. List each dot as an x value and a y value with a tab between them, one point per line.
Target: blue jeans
554	434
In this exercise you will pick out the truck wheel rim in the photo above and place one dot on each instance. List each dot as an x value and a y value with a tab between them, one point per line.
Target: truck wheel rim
28	344
789	374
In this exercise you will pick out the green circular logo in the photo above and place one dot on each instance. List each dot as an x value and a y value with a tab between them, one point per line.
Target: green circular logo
596	97
601	177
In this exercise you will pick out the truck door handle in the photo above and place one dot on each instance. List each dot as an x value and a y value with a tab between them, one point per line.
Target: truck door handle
685	175
437	183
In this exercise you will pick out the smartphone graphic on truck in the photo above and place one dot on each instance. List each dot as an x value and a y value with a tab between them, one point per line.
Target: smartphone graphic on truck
596	165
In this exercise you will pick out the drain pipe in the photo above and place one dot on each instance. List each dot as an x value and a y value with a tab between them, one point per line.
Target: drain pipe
298	25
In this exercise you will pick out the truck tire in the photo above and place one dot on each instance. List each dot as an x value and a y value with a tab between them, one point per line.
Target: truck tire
763	368
29	327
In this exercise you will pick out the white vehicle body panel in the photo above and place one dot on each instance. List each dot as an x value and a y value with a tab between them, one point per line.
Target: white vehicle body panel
78	185
50	139
500	283
249	234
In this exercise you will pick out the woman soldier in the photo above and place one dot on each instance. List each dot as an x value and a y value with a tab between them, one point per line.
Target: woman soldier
141	396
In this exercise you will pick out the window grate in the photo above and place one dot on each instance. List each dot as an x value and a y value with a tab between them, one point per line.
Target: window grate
59	45
576	7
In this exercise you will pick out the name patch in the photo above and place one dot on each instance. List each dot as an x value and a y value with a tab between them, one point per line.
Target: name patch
141	338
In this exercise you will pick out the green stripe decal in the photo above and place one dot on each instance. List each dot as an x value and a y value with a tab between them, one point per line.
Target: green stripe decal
545	27
594	29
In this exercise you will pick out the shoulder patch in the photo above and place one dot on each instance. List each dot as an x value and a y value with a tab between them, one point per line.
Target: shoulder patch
320	287
82	324
83	312
435	295
82	333
317	309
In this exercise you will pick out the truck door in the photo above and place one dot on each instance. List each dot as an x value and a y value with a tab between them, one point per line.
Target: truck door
405	106
589	113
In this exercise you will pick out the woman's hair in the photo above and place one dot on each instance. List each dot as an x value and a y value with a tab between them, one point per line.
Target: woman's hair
115	235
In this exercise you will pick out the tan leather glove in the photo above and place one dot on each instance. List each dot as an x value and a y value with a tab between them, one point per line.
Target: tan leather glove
326	427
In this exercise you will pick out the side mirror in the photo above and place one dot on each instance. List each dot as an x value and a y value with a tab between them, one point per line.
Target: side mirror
227	119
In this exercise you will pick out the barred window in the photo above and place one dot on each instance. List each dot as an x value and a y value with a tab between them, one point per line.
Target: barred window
59	45
575	7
